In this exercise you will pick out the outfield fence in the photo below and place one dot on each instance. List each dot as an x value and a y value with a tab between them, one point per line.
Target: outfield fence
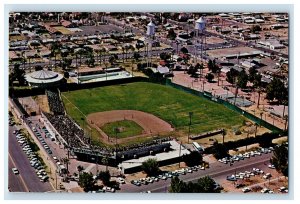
210	97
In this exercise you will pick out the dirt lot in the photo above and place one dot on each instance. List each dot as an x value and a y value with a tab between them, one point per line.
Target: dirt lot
214	40
229	51
257	182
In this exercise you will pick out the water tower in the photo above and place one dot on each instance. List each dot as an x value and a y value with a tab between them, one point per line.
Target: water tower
151	29
150	36
200	27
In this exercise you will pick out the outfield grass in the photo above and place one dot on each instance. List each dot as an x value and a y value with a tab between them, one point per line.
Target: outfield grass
128	128
165	102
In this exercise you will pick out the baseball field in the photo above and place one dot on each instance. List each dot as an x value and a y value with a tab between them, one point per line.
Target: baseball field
166	103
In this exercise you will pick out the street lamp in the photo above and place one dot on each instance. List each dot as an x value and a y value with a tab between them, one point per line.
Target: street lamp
261	114
190	115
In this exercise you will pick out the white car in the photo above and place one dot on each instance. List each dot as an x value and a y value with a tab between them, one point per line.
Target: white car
264	190
246	189
271	166
121	180
164	178
15	171
267	175
281	189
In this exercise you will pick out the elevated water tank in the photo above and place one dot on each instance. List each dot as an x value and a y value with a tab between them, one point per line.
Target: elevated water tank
151	29
200	24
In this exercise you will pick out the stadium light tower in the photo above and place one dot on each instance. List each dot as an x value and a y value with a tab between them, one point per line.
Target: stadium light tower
200	27
150	34
190	115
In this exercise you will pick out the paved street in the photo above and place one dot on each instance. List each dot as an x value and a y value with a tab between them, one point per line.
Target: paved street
27	180
216	170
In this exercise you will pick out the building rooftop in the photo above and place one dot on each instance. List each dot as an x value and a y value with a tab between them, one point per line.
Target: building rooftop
160	157
43	77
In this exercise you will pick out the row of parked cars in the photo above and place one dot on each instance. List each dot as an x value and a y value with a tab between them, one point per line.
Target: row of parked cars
249	154
41	139
33	159
246	174
282	189
166	175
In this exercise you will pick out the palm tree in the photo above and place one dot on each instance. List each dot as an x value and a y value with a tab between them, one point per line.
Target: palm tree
126	50
66	161
23	59
132	49
105	162
123	52
256	125
201	67
218	74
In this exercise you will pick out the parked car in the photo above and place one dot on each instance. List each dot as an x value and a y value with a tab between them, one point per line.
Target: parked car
15	171
271	166
264	190
246	189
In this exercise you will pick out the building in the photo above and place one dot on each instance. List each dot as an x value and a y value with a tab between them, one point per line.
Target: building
272	44
44	78
163	158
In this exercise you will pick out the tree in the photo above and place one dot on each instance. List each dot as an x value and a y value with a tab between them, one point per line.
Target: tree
257	84
219	150
79	168
66	75
255	28
105	162
209	77
203	185
252	74
164	56
17	74
66	62
86	181
136	56
38	68
112	59
104	176
231	75
66	161
276	90
280	159
241	82
171	34
151	167
91	60
177	186
192	71
242	79
206	185
192	159
184	50
212	66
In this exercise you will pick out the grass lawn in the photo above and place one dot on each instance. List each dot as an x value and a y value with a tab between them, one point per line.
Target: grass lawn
127	128
167	103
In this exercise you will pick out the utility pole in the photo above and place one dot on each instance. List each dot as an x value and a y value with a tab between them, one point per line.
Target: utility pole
247	138
190	115
179	154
